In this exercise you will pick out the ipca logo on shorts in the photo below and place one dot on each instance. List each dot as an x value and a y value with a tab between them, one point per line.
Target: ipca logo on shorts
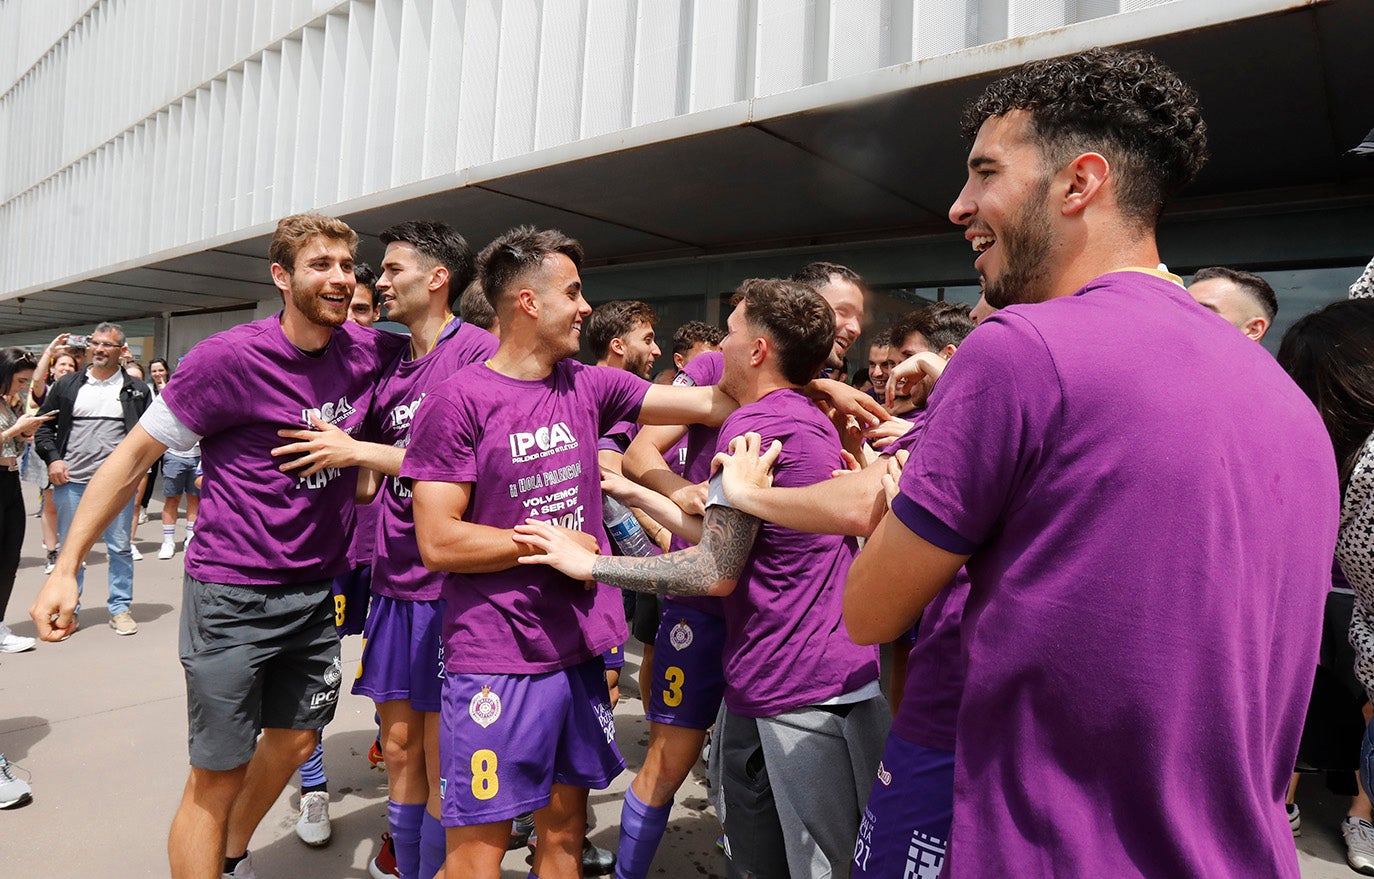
333	676
329	413
543	441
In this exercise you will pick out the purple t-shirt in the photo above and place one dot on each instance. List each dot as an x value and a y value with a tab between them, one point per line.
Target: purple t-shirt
1128	473
699	447
258	525
362	549
935	667
529	449
785	641
398	571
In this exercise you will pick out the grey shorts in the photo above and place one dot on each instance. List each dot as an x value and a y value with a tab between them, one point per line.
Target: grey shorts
255	657
179	476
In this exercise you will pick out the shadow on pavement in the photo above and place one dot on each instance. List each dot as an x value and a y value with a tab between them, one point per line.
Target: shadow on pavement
20	734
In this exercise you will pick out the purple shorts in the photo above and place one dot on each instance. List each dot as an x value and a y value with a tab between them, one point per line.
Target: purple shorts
403	653
351	594
614	658
505	739
905	828
689	674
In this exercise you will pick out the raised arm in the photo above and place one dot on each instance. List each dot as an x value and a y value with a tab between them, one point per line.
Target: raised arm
673	404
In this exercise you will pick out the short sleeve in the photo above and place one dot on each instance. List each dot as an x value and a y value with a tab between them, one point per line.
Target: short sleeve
618	393
204	391
987	427
163	426
443	443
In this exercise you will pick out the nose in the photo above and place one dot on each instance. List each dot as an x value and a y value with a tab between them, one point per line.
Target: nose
583	308
337	275
962	211
655	350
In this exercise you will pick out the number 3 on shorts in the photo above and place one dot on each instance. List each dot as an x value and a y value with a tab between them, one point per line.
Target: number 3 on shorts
672	697
484	781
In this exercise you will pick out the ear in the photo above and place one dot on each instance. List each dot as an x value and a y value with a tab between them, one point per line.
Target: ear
1255	328
438	278
618	346
281	277
759	352
677	361
1086	178
948	351
528	302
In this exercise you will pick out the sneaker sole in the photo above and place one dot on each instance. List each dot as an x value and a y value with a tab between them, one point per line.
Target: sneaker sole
14	804
314	843
119	631
23	649
1364	868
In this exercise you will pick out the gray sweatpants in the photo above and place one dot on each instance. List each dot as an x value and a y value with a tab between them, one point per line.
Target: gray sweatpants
820	764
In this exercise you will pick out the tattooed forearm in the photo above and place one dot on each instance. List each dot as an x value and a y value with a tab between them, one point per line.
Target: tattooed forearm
727	536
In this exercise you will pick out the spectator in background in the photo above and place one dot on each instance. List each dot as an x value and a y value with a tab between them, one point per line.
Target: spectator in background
1330	354
16	426
178	478
1246	301
135	369
365	309
95	409
62	364
693	338
158	372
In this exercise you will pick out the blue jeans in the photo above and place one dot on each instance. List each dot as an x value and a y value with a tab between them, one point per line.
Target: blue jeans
66	497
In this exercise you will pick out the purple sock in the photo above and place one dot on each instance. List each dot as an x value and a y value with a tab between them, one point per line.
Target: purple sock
405	819
531	875
432	848
641	830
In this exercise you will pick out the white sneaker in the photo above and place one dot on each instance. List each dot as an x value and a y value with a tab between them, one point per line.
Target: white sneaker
12	643
167	550
313	824
244	870
133	551
1359	844
187	542
13	791
143	517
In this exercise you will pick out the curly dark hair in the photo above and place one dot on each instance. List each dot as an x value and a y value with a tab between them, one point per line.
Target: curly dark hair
1125	105
611	320
695	331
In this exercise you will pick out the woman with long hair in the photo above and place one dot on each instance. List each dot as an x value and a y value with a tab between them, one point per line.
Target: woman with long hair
63	364
158	373
1330	355
16	426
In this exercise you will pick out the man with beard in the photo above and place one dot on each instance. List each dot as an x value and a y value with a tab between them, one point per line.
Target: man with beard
1132	705
95	409
425	266
938	328
258	642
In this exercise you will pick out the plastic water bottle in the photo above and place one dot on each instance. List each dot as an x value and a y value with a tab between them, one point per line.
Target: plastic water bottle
624	529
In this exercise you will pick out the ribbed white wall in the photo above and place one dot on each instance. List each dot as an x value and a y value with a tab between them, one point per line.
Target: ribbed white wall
128	127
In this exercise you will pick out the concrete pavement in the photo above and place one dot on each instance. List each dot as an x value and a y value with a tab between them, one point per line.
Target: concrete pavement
100	723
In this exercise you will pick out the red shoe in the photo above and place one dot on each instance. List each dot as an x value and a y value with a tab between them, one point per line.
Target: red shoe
374	756
384	865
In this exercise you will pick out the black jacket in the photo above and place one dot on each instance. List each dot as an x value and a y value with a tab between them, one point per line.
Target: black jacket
51	439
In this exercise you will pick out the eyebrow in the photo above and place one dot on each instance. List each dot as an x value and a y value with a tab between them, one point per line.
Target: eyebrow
976	162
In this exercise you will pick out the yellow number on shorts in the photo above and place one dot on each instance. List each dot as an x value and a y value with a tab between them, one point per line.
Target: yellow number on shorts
340	602
484	781
672	697
360	660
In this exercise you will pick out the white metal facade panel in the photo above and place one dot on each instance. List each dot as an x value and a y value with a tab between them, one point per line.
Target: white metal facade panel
140	126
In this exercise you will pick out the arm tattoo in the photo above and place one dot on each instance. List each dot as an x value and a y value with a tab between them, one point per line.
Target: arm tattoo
726	538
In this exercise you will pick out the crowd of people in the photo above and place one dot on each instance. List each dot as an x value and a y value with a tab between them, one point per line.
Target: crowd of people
1095	521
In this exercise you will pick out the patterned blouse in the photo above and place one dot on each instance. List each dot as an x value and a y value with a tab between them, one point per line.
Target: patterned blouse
1355	552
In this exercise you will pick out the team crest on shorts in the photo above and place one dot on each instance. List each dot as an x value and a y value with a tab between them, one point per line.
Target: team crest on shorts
681	636
883	775
485	707
333	676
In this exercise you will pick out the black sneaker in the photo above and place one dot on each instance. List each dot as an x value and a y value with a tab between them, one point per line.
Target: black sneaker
595	861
